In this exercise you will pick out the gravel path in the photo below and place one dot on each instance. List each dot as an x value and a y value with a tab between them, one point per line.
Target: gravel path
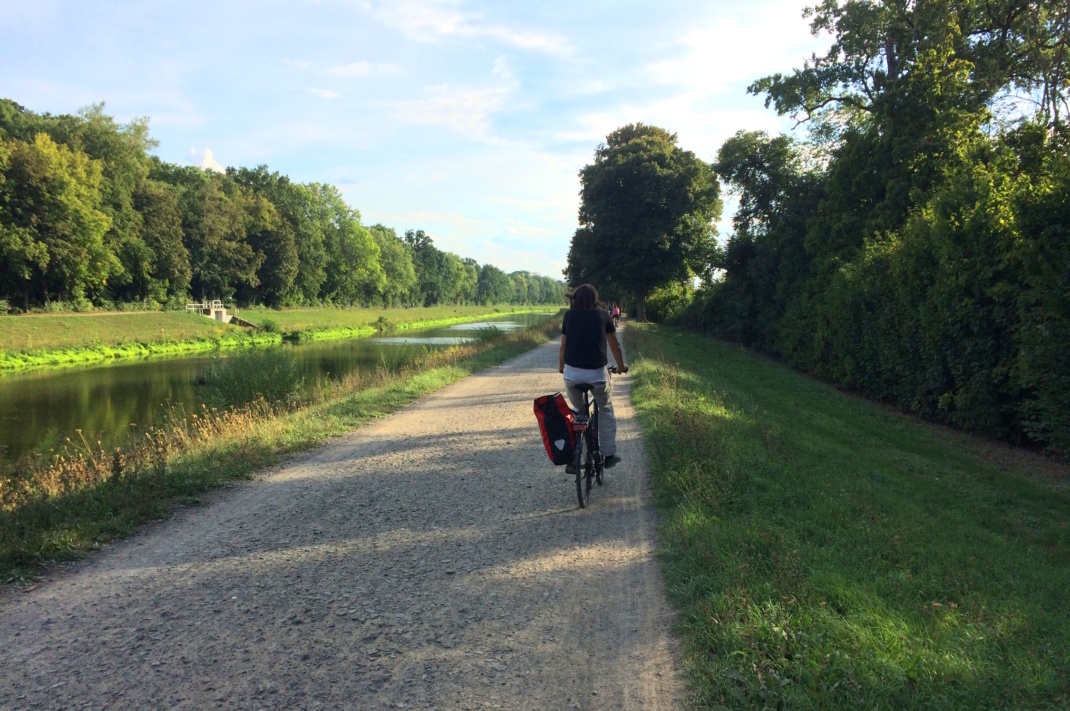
434	559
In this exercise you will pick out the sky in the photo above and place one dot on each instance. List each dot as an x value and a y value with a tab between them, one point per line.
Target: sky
469	120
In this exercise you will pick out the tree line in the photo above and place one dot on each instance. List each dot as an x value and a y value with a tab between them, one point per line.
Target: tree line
88	216
915	246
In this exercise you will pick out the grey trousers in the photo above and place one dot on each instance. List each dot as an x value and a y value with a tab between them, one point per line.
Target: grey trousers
607	421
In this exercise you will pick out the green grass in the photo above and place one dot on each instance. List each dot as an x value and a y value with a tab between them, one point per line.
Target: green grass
41	341
76	507
325	323
35	332
824	552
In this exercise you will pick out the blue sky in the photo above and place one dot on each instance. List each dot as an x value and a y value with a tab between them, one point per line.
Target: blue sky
469	120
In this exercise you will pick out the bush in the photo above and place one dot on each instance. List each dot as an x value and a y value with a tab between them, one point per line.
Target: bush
384	325
273	375
486	334
270	325
667	302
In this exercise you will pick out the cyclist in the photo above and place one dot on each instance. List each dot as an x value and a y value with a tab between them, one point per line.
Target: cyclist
616	315
582	360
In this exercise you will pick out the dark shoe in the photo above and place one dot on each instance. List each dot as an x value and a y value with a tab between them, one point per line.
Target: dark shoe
570	468
612	461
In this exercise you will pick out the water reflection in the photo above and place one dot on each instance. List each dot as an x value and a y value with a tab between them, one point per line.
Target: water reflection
41	409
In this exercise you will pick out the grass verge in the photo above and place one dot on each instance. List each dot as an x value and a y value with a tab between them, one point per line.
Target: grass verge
65	506
84	355
824	552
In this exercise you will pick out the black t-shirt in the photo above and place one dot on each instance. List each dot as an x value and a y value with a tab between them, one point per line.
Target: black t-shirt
585	337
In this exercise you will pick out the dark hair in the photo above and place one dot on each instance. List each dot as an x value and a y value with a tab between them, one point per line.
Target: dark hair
584	298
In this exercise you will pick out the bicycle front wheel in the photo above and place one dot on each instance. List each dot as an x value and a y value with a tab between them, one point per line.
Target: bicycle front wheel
583	491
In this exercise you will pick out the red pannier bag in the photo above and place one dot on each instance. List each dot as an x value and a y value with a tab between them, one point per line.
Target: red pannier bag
555	423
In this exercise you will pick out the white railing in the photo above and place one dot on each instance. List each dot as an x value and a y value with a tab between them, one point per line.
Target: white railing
214	305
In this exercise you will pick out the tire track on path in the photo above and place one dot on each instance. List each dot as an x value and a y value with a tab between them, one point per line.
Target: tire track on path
433	559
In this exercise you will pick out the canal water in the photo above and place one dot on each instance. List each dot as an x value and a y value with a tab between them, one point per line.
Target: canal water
40	410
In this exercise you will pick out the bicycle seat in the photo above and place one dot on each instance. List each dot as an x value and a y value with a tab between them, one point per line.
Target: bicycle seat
587	387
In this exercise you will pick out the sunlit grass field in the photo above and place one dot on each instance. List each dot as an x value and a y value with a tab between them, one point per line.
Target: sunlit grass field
322	318
44	331
825	552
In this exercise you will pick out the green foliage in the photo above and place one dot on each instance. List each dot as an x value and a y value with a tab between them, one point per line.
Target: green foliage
396	261
487	334
826	553
495	286
353	268
273	375
270	325
668	302
905	261
646	215
384	325
52	228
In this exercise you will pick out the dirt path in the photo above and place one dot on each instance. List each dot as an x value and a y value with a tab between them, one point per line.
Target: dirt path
433	559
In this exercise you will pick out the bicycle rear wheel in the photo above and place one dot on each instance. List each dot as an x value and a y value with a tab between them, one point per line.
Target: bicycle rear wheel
596	449
583	489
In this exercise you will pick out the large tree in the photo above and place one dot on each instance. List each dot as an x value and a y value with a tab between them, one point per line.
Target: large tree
397	265
646	214
52	227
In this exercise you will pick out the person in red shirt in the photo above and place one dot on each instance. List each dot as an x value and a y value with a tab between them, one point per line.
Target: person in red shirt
585	333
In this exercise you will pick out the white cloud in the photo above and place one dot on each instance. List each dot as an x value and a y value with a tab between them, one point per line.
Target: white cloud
464	111
324	93
207	160
722	49
427	20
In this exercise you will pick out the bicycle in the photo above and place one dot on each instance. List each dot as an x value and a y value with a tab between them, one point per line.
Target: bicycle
588	461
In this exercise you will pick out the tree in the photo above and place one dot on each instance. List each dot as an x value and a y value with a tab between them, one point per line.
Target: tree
52	228
272	238
397	265
165	269
890	58
495	286
470	285
214	221
435	280
647	209
353	269
295	244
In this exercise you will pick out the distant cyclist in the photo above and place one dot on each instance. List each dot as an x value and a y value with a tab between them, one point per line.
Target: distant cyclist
616	315
584	334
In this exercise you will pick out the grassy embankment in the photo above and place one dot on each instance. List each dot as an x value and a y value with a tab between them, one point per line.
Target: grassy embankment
39	340
826	552
60	508
332	324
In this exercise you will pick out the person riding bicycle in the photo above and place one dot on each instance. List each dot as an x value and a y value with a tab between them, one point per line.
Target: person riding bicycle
615	313
585	331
